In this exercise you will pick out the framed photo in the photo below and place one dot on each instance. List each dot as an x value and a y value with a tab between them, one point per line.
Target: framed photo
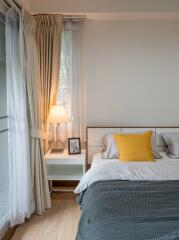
74	146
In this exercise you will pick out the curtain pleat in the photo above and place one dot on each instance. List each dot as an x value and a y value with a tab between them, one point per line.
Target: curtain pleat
21	194
34	100
33	62
48	36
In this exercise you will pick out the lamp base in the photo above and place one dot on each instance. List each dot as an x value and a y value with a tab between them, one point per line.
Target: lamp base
57	150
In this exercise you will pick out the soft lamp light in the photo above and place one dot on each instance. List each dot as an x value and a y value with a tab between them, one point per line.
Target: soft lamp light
57	116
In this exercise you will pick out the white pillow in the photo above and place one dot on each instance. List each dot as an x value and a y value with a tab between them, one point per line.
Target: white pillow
110	149
172	141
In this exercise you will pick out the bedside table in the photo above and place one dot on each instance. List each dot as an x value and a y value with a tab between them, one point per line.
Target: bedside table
65	167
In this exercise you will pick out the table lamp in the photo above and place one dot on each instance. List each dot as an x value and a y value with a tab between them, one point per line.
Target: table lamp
57	116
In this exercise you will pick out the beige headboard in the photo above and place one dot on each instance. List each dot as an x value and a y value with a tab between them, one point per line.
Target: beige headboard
95	136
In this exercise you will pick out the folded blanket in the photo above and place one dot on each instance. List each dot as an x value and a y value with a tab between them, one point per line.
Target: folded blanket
165	170
170	236
129	210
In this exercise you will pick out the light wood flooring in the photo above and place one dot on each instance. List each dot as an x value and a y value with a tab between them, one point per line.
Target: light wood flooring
58	223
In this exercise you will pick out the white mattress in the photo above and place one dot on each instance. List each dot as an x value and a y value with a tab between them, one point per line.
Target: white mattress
164	169
97	159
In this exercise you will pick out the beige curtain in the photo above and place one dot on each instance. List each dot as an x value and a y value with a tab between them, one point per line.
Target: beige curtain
48	37
34	99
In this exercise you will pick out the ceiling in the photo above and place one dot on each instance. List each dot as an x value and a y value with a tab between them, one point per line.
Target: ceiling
108	9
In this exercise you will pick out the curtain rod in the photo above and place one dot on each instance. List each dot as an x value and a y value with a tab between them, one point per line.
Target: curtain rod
17	4
13	3
82	17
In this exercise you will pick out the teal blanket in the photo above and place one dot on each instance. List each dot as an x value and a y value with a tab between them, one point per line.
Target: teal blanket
129	210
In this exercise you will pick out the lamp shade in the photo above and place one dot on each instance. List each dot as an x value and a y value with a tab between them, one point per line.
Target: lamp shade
58	114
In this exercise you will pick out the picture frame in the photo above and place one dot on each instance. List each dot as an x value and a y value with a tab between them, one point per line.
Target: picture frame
74	146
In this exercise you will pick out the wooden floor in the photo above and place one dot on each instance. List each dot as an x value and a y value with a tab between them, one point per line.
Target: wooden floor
59	223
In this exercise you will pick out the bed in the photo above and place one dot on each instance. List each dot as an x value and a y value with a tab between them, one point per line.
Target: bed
126	201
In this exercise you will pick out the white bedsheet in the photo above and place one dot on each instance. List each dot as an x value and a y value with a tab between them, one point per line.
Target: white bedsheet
113	169
97	159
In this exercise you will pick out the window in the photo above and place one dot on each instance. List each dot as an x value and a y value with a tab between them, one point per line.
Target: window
3	104
70	92
4	169
65	71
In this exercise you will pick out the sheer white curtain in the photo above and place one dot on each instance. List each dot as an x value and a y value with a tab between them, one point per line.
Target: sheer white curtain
21	199
71	84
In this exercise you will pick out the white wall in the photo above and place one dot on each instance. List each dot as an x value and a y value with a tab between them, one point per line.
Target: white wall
131	67
132	73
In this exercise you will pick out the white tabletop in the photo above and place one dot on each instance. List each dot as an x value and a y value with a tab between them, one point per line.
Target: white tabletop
65	158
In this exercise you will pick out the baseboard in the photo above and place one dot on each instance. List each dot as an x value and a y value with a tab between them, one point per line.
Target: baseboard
9	233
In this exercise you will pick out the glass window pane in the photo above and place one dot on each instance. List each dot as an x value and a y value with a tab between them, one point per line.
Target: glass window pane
3	93
4	163
65	68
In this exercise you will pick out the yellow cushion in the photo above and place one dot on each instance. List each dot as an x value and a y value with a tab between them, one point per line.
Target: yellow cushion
134	147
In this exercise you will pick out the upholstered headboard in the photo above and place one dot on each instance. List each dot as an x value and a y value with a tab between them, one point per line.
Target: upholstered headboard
95	136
